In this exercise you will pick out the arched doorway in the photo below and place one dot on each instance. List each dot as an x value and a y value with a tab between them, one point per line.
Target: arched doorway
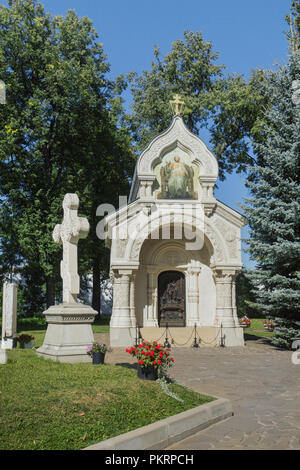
171	299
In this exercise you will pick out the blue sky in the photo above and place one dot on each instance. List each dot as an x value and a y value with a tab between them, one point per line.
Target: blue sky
247	35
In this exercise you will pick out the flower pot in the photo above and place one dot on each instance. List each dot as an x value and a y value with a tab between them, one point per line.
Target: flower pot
29	345
98	358
147	373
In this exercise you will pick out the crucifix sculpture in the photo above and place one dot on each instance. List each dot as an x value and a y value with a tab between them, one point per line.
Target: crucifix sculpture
68	233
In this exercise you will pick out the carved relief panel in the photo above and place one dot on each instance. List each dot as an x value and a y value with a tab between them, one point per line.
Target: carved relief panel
171	299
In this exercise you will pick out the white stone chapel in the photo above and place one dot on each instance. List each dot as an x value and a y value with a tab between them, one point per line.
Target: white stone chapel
175	249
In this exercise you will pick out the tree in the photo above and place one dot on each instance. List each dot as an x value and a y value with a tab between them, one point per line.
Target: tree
189	69
237	117
293	20
229	106
245	299
58	128
273	211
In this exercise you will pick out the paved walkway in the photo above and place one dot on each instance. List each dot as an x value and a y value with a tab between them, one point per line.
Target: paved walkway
262	383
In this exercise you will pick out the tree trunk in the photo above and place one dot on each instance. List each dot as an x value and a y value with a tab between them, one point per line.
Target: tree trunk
50	291
96	287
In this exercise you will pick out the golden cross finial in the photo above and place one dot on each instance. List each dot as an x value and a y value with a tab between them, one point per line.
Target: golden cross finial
177	105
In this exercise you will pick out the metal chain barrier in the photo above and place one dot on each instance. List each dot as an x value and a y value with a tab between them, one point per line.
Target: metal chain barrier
140	337
208	342
180	344
167	333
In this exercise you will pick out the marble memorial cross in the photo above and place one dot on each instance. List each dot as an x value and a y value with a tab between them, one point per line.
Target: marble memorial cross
68	233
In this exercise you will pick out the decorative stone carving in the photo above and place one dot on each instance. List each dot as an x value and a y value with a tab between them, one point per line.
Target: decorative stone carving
218	251
121	247
182	228
209	208
69	330
68	233
171	258
229	235
136	248
123	313
178	132
193	292
132	300
225	297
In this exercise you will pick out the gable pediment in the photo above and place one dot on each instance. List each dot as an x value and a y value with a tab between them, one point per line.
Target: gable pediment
177	142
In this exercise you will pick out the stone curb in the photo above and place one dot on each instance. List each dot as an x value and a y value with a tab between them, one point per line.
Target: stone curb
159	435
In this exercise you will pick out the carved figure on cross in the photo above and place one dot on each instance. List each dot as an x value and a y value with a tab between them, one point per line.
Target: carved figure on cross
68	234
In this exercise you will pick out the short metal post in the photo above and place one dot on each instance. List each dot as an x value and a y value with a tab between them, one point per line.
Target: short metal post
167	344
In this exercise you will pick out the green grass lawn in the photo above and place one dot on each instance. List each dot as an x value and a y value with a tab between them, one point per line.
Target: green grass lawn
37	327
258	324
39	335
50	405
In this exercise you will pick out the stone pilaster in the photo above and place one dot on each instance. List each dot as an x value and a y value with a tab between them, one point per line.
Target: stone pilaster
132	300
234	308
123	322
151	299
121	301
193	295
142	191
225	298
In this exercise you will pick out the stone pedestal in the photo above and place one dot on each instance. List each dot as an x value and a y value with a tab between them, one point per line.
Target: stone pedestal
3	356
233	336
69	333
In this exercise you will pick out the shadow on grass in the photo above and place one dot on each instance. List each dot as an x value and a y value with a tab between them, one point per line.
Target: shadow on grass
127	365
102	320
263	339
